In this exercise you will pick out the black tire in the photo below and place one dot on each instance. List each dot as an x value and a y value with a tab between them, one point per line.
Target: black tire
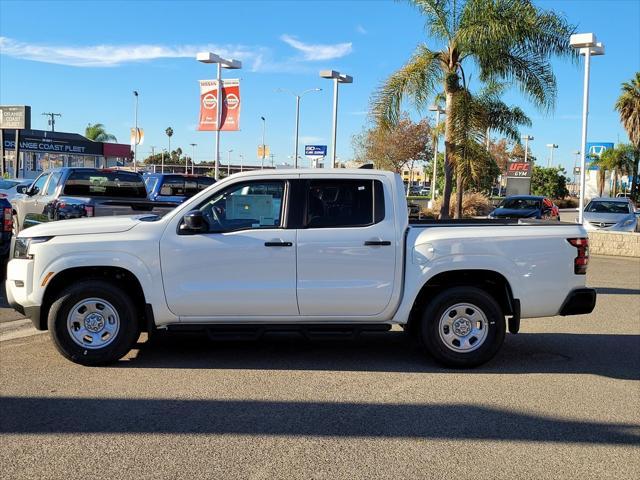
118	346
494	330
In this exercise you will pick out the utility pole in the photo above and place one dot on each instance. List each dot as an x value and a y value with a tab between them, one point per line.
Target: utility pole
272	157
52	120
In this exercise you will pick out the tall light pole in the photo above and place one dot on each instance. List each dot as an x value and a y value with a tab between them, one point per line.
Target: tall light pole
229	161
575	164
438	110
241	157
193	159
526	139
264	129
298	97
337	78
162	161
135	136
209	57
587	45
552	147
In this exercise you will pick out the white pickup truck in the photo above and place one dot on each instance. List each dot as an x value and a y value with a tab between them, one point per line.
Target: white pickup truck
312	250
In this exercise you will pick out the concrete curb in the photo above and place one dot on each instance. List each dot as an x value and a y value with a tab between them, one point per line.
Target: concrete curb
618	244
18	329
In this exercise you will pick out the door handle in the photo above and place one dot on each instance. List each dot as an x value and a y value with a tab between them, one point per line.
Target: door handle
377	243
278	244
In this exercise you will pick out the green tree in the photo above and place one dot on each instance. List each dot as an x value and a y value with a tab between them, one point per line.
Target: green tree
628	106
169	132
506	40
618	160
550	182
98	133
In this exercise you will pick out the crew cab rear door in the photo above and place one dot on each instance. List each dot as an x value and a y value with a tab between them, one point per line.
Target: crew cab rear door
346	249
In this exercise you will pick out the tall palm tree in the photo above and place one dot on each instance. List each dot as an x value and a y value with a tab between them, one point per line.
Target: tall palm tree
473	117
628	106
169	132
506	40
98	133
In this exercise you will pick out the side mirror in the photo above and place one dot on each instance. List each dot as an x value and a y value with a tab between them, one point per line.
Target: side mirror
194	222
22	188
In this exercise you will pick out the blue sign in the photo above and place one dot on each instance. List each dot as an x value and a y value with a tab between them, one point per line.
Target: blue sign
315	150
596	149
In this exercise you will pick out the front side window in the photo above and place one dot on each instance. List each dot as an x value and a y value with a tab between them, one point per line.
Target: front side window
38	185
344	203
251	205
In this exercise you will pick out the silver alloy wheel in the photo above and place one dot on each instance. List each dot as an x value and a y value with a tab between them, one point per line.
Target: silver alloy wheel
463	327
93	323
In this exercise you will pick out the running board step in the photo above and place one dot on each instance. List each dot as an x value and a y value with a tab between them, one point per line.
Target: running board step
256	331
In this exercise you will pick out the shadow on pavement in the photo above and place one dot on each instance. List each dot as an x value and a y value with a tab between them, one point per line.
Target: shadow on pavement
614	356
335	419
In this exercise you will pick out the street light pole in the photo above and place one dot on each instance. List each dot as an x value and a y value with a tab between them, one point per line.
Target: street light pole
337	77
526	146
551	146
587	45
264	128
298	97
241	157
438	110
135	136
229	161
209	57
193	159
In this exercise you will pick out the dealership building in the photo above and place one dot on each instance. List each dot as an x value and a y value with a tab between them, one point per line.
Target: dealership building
40	150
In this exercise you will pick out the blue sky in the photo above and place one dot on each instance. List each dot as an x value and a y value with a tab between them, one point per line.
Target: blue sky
83	59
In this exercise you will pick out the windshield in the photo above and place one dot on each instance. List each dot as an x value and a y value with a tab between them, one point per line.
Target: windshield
100	183
608	207
520	203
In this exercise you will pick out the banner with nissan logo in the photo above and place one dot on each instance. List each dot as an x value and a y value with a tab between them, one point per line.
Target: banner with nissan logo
209	105
519	169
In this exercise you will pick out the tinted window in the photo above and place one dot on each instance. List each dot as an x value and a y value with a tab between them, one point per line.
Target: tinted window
245	206
172	186
608	207
520	203
344	203
204	182
150	182
53	183
38	185
100	183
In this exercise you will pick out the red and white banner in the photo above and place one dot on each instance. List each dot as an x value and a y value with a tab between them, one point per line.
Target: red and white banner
209	105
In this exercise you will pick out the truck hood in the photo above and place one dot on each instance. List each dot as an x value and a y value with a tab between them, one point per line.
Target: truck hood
85	226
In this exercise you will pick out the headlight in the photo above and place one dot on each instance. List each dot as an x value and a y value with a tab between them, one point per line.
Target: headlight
626	223
21	249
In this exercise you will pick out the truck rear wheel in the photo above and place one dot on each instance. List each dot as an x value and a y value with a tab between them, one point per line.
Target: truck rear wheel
93	322
462	327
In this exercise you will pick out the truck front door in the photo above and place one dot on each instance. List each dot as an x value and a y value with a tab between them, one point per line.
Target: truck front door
243	266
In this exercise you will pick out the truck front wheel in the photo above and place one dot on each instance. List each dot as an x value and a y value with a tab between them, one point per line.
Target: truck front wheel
93	322
462	327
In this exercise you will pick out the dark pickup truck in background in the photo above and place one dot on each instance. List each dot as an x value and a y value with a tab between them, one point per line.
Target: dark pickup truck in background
175	187
65	193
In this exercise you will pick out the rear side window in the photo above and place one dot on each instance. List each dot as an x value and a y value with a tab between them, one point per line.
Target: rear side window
344	203
173	186
53	183
99	183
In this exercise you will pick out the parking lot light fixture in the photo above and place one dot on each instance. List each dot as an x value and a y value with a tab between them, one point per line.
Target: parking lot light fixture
231	64
337	78
552	147
298	97
587	45
527	139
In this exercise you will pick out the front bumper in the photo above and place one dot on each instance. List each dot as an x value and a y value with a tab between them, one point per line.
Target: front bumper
19	290
579	302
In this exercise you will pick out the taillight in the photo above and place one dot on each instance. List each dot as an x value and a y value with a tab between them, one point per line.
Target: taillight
89	210
582	260
7	223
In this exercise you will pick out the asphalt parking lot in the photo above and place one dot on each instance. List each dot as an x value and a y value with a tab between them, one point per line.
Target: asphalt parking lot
562	400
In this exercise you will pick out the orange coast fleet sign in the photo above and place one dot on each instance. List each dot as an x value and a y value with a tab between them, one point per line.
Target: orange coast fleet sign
209	105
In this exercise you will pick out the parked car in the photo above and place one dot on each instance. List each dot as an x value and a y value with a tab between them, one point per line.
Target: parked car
526	206
424	191
616	214
329	252
7	227
66	193
175	187
10	187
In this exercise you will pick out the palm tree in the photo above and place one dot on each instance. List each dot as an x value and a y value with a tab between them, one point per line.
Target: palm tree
628	106
98	133
169	132
507	40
